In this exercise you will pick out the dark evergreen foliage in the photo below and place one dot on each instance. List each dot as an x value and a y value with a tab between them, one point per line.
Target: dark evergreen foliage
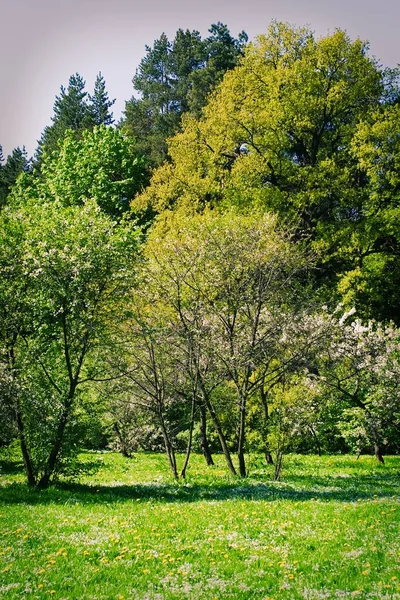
174	78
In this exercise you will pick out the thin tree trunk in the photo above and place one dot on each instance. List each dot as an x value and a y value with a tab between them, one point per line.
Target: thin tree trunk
218	429
24	448
124	449
168	446
316	440
52	460
241	438
377	445
205	447
267	452
278	464
378	453
189	445
30	474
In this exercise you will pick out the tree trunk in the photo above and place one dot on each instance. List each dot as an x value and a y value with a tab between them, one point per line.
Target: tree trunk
24	449
205	447
44	481
317	442
218	429
123	446
278	465
378	453
168	447
189	445
241	438
267	452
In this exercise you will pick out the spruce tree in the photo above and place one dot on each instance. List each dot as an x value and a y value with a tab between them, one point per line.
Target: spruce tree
17	162
100	103
71	111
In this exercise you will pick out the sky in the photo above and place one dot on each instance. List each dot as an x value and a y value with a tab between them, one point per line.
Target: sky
43	42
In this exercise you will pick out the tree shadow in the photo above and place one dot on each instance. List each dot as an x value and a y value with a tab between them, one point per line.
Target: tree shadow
10	467
325	489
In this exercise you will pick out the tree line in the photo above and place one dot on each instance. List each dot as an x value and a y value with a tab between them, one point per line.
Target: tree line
217	271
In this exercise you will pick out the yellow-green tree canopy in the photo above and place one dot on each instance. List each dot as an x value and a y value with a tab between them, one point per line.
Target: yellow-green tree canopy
276	132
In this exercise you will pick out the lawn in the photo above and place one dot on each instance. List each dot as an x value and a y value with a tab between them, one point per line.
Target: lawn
123	530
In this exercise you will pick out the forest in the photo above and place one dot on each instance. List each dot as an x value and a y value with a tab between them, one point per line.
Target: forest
218	272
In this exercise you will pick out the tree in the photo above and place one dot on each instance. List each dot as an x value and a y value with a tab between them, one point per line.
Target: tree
222	52
100	104
17	162
371	278
70	268
359	364
229	280
170	81
71	111
283	133
100	165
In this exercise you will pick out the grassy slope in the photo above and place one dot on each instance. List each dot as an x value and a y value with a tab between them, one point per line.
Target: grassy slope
330	529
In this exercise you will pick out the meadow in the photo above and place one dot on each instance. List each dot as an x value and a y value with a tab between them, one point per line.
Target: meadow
121	529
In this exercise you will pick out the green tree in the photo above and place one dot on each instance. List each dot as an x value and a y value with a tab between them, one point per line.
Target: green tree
17	162
229	281
63	271
169	84
71	111
101	165
282	133
222	53
371	244
100	104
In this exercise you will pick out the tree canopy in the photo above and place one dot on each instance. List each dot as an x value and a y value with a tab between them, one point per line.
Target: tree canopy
284	133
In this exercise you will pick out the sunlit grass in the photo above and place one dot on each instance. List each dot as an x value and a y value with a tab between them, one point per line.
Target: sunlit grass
329	529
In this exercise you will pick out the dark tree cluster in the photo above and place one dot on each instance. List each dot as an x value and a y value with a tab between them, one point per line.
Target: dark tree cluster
176	77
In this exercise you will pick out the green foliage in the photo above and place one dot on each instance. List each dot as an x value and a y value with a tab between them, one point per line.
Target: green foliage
75	110
71	111
100	166
100	103
174	78
69	274
17	162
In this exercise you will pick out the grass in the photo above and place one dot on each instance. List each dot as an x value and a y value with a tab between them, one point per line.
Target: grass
124	530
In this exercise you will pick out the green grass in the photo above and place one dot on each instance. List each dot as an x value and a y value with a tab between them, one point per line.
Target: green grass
124	530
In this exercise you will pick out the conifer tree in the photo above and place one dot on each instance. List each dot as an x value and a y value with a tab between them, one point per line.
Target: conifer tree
100	103
71	111
17	162
174	78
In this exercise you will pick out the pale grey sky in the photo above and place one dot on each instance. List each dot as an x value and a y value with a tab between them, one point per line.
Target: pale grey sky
43	42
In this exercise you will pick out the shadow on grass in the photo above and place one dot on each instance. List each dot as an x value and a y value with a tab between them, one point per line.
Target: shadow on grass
349	489
10	467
